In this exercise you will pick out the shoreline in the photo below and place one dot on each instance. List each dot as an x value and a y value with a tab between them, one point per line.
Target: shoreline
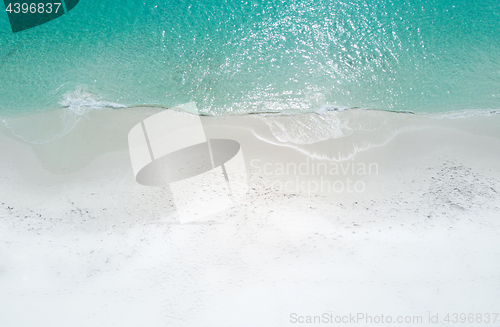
374	147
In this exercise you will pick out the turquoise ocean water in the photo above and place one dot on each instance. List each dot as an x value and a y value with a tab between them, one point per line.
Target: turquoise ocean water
235	57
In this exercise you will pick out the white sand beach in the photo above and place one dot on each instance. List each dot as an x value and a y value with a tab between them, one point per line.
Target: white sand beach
369	213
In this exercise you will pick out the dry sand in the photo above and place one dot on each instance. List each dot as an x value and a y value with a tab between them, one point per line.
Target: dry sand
83	244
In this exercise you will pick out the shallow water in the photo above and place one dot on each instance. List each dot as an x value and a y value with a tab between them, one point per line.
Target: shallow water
424	56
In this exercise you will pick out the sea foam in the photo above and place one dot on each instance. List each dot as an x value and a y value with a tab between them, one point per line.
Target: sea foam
44	127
